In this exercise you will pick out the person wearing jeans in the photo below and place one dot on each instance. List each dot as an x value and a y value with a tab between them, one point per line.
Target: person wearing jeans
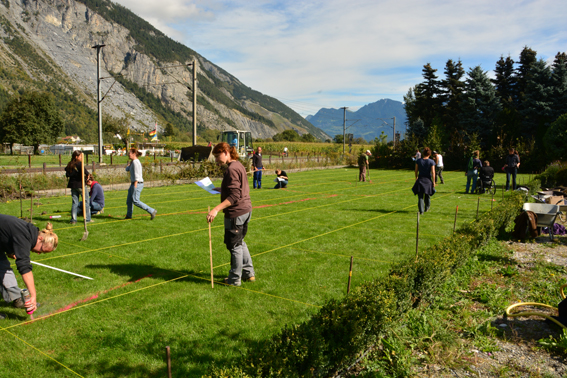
136	186
258	168
511	167
472	171
237	208
424	185
73	172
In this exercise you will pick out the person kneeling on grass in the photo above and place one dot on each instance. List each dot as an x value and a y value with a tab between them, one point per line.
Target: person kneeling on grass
96	197
237	208
17	239
281	179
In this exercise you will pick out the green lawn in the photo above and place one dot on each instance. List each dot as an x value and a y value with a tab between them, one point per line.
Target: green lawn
152	289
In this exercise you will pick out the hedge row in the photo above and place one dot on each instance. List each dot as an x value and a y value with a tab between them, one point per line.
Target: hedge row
344	328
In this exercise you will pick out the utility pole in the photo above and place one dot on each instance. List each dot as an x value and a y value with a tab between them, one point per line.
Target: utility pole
98	101
194	102
344	127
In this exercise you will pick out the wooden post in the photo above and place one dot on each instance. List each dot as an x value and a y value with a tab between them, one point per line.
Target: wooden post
21	206
154	156
29	160
44	167
211	252
417	239
455	224
160	167
168	357
60	160
296	158
93	170
31	205
349	276
492	201
270	158
111	155
477	206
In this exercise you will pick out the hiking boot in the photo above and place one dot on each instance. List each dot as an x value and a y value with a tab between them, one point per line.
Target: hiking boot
226	282
153	215
18	303
249	279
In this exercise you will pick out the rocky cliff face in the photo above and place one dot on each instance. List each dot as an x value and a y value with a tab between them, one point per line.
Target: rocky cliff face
64	33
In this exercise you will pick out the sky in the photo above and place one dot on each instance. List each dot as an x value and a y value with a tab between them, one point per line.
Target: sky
335	53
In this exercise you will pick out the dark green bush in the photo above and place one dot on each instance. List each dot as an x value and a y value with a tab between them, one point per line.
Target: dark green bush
344	328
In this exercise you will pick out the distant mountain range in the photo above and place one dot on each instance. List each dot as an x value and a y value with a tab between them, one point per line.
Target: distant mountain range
367	122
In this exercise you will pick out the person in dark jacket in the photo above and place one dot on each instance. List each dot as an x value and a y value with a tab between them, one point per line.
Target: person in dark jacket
486	174
17	239
282	179
511	166
237	208
474	165
73	172
424	185
258	168
96	196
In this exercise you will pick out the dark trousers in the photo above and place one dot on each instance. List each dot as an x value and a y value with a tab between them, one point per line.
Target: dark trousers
511	172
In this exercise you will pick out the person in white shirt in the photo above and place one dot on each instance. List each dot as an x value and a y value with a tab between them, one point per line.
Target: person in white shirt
136	186
438	158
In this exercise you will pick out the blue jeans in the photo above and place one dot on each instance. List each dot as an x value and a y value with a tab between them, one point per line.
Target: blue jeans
257	179
95	207
134	199
511	172
75	193
281	184
241	266
423	202
472	175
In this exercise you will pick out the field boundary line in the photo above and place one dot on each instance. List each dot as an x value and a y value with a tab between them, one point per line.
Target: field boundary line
42	352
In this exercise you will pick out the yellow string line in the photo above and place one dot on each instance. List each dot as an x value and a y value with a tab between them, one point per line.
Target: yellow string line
40	351
204	229
326	253
329	232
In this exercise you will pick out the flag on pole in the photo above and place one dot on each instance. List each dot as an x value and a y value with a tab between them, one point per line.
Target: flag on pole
153	134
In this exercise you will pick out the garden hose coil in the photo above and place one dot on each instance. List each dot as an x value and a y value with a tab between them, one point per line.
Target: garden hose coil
530	313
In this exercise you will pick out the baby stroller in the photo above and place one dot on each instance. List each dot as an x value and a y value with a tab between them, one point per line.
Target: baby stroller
486	183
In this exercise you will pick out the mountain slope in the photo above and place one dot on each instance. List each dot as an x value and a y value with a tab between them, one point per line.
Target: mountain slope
145	73
365	122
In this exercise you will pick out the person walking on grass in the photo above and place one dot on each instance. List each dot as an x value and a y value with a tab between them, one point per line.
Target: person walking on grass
73	172
438	158
424	185
237	208
17	239
473	166
363	165
258	168
511	166
136	186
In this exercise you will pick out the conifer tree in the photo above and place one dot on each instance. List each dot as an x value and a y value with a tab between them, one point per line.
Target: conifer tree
536	107
480	105
451	93
559	84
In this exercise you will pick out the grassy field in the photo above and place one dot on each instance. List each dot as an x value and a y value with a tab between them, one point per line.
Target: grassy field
152	289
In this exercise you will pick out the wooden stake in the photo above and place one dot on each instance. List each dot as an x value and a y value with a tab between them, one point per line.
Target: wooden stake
31	206
477	206
349	276
86	233
21	205
492	201
455	224
211	252
417	238
168	357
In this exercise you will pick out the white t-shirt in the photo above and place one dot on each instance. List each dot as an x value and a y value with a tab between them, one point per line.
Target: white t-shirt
439	160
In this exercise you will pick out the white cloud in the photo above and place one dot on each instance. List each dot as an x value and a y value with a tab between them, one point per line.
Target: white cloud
336	51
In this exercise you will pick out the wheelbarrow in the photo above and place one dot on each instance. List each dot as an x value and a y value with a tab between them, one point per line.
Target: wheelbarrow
546	214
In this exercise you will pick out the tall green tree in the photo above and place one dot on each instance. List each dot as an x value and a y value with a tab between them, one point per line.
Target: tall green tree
31	119
452	88
527	58
427	96
480	105
536	106
555	139
559	84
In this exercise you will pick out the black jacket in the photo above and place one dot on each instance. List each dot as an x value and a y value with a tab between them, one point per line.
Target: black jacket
18	237
75	176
